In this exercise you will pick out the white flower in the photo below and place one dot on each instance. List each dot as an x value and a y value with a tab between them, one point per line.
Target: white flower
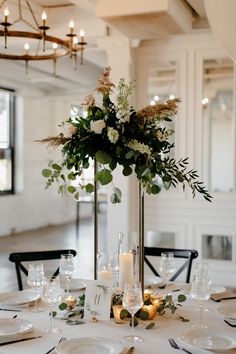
137	146
119	114
97	126
123	116
163	135
113	135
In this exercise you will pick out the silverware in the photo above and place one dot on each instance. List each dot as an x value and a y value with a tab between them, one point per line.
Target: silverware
176	346
5	309
19	340
62	339
130	350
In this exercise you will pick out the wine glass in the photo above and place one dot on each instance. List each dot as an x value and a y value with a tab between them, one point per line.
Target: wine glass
132	302
52	296
36	280
200	290
167	266
67	268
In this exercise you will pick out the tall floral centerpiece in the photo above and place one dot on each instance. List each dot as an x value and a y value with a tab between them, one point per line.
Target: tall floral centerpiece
114	133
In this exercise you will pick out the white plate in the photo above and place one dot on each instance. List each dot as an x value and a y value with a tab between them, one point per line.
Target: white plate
18	297
90	345
12	326
217	289
211	339
75	284
227	310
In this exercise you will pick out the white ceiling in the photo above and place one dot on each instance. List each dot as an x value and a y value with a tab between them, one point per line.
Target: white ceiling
83	12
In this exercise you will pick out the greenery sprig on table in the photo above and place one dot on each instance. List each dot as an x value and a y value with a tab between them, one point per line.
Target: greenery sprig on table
116	134
74	316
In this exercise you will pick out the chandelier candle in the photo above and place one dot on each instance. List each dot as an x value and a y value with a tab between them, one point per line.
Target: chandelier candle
126	273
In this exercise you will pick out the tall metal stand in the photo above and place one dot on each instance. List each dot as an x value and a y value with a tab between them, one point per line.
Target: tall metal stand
95	221
141	235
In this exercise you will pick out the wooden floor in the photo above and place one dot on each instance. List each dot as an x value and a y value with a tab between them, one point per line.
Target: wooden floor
49	238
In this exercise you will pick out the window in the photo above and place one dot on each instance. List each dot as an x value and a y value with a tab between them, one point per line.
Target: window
7	105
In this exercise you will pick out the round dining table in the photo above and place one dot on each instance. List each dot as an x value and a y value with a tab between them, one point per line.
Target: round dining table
155	339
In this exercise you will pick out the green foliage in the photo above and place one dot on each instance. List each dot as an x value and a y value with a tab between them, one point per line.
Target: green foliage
63	306
150	325
115	134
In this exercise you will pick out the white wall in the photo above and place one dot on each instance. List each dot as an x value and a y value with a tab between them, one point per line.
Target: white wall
37	116
175	211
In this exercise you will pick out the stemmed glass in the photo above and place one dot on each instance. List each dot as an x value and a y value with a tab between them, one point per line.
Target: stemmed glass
200	290
132	302
52	296
67	268
167	266
36	280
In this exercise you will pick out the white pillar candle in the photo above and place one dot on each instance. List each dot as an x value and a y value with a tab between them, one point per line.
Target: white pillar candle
105	274
126	272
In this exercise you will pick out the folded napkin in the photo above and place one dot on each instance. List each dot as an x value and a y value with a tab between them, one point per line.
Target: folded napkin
15	337
227	294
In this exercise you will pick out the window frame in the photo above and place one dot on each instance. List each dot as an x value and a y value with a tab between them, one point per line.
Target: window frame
12	109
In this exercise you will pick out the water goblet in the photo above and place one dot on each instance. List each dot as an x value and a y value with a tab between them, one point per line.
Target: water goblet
132	302
52	296
67	268
167	266
36	279
200	290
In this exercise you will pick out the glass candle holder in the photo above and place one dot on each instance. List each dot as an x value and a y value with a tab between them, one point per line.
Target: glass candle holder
71	301
104	272
151	310
116	312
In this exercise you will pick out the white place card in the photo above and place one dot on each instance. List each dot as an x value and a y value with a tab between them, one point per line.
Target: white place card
98	299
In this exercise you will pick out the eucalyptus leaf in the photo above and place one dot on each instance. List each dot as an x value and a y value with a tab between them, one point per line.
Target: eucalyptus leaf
71	176
46	172
63	306
155	189
143	315
181	298
118	192
150	325
74	322
135	322
104	176
57	167
71	189
127	170
124	314
89	188
103	157
129	154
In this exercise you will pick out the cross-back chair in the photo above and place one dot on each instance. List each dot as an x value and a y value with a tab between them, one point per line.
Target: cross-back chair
187	254
19	257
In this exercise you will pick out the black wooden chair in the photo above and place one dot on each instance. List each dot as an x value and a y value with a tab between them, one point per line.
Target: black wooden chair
20	257
189	255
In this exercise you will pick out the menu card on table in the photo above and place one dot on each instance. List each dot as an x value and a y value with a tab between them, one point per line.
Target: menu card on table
98	299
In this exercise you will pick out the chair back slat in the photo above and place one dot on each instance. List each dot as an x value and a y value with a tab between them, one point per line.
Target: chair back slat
187	254
20	257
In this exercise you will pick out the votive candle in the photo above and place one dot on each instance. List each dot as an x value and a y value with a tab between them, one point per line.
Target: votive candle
105	274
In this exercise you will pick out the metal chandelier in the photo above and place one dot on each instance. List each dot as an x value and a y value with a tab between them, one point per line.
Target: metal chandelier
47	47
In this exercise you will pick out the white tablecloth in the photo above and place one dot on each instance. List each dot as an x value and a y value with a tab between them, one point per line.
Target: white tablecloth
155	340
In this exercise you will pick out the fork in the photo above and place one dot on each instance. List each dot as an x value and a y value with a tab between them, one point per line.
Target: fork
176	346
62	339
